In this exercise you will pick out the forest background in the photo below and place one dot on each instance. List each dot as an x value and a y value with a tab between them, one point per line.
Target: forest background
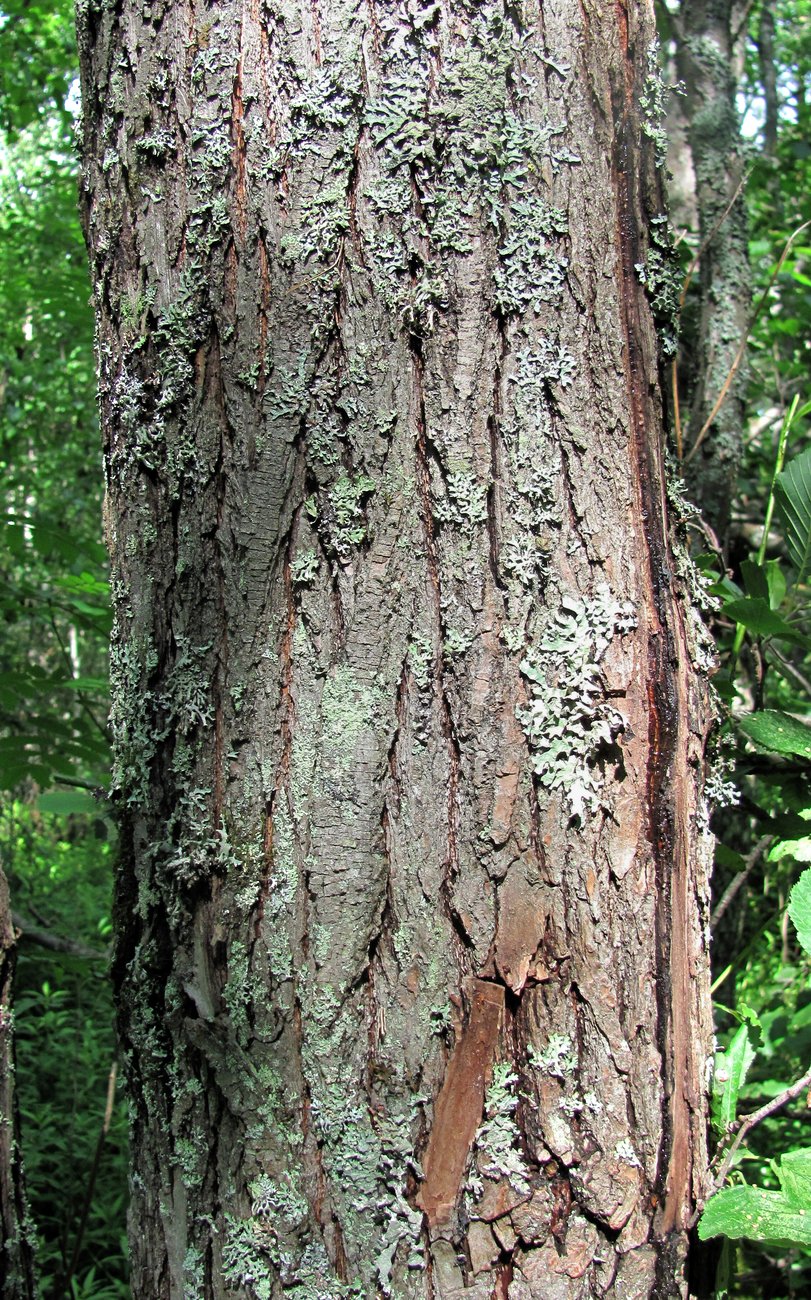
57	837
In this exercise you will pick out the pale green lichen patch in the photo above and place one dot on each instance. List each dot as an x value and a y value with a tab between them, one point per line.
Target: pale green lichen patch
463	503
367	1163
476	158
532	518
258	1251
421	660
498	1140
661	275
653	103
456	643
349	709
567	719
531	272
344	511
281	893
558	1057
304	568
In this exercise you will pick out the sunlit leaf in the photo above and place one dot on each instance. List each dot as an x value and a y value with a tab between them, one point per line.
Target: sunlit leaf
799	909
731	1068
757	1214
793	495
757	616
779	731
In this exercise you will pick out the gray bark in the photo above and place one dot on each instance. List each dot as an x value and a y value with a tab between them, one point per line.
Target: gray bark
709	52
411	957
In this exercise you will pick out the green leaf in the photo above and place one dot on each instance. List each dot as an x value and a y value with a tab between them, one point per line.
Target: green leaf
779	731
755	1213
756	615
754	577
764	582
776	583
731	1068
794	1172
793	495
799	909
727	857
91	685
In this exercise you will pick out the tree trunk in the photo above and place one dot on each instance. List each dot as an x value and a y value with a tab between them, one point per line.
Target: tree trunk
411	957
17	1261
712	33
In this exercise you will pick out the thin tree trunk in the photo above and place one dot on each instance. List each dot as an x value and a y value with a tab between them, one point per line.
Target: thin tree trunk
708	55
411	956
17	1260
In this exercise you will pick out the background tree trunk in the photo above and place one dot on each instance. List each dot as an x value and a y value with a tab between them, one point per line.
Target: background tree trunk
411	956
711	35
17	1268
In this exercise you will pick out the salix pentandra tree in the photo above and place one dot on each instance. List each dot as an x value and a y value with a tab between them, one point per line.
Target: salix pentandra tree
411	959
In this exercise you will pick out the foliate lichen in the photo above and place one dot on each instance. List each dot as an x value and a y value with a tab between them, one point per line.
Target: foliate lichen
567	718
530	272
464	502
653	102
498	1140
345	511
303	569
661	275
558	1057
532	517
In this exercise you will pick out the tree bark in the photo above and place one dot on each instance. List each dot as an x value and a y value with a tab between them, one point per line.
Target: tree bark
17	1257
709	52
411	954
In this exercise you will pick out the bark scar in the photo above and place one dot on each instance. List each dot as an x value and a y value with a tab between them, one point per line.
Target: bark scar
460	1105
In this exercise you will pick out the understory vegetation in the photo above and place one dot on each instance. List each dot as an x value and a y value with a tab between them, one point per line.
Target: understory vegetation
57	834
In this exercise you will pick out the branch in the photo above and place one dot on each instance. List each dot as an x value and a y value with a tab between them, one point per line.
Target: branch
91	1182
751	1121
739	880
55	942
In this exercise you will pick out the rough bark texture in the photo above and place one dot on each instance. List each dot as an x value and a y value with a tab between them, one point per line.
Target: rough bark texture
17	1273
411	962
710	37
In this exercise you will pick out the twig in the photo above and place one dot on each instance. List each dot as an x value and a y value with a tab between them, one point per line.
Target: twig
55	942
751	1121
721	398
749	863
91	1182
788	667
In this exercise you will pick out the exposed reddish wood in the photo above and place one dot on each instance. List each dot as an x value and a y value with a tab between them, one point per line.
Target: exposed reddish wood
459	1106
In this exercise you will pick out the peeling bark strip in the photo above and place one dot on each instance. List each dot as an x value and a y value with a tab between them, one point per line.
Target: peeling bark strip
411	967
460	1104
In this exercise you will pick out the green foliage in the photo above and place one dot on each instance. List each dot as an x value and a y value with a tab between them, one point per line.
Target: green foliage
779	731
781	1218
794	500
764	639
54	602
59	874
729	1075
56	838
800	910
37	57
